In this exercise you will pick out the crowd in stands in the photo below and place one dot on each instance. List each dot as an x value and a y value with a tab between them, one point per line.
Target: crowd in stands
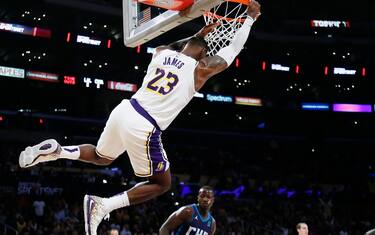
261	189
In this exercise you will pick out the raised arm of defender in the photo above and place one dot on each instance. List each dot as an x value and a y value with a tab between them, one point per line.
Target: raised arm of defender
210	66
179	217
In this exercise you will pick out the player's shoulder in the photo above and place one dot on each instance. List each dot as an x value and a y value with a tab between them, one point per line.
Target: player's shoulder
163	49
186	211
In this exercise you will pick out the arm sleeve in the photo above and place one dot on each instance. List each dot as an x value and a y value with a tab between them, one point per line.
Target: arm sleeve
230	52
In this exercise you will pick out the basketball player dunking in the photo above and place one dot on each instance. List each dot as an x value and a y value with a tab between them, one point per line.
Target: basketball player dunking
175	73
193	219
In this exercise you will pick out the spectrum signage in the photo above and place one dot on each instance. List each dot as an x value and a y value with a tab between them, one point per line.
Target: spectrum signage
42	76
121	86
219	98
12	72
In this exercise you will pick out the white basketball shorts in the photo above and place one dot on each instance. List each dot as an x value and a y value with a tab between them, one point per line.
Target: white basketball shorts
130	128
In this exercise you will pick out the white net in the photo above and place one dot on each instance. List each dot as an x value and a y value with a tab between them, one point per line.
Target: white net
231	16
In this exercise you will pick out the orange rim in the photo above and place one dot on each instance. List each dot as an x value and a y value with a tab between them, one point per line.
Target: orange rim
244	2
214	16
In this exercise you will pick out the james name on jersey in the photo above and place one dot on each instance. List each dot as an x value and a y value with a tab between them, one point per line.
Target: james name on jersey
174	62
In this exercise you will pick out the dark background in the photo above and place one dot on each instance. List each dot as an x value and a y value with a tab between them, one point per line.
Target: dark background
295	165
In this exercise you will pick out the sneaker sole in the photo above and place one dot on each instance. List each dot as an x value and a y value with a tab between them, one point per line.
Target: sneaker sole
31	154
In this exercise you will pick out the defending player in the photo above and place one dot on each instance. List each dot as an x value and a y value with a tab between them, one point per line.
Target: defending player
193	219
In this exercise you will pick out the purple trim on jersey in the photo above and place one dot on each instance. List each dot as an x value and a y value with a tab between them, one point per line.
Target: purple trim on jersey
71	150
143	112
159	163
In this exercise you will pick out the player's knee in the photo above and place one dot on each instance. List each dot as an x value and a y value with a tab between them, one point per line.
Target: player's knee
163	181
105	162
102	161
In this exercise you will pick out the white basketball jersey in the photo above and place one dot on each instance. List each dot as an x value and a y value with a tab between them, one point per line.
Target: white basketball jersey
167	87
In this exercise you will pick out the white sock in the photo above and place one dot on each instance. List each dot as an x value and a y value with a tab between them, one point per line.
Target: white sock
118	201
70	152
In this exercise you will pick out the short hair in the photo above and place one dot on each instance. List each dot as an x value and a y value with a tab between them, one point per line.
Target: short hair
208	188
198	41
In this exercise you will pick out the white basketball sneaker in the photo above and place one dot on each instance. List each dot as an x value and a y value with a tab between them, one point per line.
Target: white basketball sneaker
47	150
94	212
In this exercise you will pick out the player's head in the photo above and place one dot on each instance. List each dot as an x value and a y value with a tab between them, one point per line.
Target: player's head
302	229
206	197
196	47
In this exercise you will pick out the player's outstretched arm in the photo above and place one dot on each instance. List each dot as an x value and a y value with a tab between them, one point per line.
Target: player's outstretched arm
210	66
181	216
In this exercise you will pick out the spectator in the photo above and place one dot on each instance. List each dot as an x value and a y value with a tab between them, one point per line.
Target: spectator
125	230
39	209
113	231
302	229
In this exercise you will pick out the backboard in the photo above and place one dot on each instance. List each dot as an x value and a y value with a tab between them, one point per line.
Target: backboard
137	30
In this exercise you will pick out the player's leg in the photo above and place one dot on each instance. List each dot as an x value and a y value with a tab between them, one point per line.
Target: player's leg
155	186
50	150
148	159
109	144
97	208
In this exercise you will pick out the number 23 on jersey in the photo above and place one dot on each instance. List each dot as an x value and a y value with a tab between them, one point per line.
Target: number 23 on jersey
162	77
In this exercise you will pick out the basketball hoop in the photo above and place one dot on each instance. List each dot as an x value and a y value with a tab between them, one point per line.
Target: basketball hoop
230	14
